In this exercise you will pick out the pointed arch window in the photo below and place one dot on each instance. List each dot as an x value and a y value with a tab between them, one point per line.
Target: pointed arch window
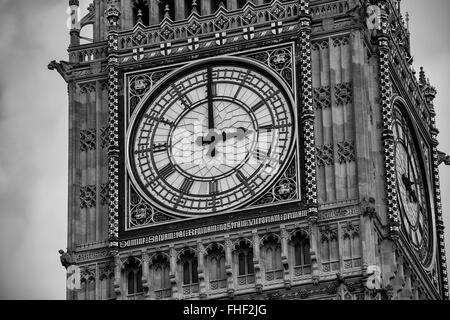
272	258
301	251
329	250
160	269
216	267
352	247
244	263
189	271
134	278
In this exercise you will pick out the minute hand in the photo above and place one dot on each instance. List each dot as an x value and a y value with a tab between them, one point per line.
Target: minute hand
211	124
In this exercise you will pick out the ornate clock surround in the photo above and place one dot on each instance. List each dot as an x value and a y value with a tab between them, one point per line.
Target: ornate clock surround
158	220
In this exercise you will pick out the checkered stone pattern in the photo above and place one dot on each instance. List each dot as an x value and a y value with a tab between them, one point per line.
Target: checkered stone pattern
113	150
88	195
88	140
325	155
322	98
439	218
308	117
346	152
387	118
343	93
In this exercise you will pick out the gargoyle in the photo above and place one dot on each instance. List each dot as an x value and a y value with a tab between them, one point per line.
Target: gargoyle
66	258
64	68
443	158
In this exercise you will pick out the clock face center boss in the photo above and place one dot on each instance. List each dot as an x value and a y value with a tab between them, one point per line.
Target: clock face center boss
211	138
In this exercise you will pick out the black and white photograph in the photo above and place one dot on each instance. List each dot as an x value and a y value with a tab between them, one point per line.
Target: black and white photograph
223	155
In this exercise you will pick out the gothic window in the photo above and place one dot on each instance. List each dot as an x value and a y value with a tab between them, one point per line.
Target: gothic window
87	291
107	284
301	249
134	276
352	247
245	267
272	258
161	277
189	272
216	267
329	249
141	9
167	8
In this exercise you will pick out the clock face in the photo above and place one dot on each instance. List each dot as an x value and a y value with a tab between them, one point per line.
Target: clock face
415	210
211	139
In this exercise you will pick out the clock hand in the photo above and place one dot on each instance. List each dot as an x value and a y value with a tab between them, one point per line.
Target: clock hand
213	138
240	134
211	124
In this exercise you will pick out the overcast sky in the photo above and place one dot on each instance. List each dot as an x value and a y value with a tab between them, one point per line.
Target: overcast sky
34	130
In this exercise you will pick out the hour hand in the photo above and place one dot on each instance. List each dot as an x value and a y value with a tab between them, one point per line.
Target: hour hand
240	134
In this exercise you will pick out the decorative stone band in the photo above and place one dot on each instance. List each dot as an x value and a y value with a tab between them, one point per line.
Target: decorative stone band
387	118
212	229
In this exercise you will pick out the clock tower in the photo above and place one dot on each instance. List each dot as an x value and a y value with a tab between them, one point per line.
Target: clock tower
250	150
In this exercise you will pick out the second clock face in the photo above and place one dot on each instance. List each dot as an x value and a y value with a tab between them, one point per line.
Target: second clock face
412	190
212	140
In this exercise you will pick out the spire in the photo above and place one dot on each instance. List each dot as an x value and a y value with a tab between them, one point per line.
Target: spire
194	6
407	22
139	16
167	11
422	78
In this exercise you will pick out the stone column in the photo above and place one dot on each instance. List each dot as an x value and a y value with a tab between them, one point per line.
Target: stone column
173	272
314	239
145	275
127	14
231	5
153	7
285	257
206	7
98	288
179	10
201	270
118	277
256	261
229	266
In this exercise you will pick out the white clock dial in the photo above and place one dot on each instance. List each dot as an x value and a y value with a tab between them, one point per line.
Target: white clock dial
213	139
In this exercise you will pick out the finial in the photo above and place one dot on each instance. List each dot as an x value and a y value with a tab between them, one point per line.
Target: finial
194	6
167	10
407	21
422	78
222	4
399	6
139	16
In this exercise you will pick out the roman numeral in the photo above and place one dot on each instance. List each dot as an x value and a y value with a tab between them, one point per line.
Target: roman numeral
160	147
271	127
243	179
186	186
167	171
213	187
258	105
162	120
